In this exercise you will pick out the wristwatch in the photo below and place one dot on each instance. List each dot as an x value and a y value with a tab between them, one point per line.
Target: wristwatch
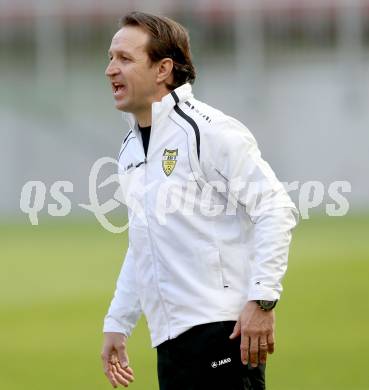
266	305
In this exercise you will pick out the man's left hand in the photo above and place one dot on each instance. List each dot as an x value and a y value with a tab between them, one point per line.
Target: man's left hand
256	328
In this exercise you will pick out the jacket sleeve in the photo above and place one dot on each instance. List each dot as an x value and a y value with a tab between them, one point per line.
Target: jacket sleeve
125	308
233	157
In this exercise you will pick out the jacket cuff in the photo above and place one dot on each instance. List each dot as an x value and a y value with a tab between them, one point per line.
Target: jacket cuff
112	325
259	292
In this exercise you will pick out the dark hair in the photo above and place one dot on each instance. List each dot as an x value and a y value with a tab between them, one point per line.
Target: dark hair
168	39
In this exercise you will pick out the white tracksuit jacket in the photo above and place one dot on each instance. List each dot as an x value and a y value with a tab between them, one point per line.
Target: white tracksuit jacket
209	222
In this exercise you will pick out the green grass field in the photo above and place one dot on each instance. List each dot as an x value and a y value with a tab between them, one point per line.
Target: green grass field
57	281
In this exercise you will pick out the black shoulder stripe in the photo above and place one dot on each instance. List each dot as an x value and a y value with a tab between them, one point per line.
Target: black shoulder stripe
192	123
129	133
175	97
121	152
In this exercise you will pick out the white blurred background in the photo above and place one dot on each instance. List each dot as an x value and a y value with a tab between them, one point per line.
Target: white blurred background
296	72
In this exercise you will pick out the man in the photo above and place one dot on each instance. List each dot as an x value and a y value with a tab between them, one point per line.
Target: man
209	223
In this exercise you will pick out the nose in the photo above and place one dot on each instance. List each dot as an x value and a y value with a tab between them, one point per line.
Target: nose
111	70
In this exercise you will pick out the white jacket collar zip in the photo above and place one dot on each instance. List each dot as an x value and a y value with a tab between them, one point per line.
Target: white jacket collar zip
160	110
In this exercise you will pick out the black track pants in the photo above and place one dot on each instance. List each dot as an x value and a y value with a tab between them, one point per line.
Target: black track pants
204	358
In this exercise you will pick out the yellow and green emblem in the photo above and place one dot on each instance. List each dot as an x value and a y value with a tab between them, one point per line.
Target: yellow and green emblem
169	160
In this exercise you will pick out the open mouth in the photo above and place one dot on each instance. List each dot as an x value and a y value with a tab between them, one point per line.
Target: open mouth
118	88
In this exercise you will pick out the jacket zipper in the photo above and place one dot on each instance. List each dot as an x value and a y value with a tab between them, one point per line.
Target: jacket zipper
151	242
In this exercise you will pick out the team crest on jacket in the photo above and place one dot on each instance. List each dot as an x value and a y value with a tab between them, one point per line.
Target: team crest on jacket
169	160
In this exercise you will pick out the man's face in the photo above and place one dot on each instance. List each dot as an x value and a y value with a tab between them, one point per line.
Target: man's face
131	73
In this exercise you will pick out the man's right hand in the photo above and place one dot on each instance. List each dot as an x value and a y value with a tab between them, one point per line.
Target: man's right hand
115	359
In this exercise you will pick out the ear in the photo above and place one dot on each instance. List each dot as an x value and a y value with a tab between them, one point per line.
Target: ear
164	69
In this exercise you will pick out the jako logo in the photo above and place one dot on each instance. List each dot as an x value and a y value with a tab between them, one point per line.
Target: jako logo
220	362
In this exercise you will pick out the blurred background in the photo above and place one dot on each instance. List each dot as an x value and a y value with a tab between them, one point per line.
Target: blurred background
296	72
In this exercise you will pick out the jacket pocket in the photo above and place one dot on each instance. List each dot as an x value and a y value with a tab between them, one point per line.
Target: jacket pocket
215	269
224	279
